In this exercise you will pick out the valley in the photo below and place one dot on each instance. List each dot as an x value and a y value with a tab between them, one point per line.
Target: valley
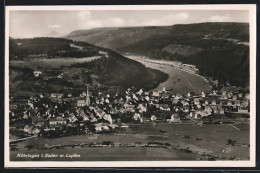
180	81
220	50
127	94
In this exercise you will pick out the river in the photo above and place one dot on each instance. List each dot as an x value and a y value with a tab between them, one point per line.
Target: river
180	81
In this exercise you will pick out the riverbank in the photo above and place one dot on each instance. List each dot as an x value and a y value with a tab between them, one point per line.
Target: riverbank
180	81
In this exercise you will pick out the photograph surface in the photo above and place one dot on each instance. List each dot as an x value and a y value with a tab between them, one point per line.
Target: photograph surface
130	86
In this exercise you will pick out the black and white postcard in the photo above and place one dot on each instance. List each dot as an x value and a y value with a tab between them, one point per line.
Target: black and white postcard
130	86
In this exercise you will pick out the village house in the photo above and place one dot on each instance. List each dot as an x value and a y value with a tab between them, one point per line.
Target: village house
37	120
60	95
57	121
175	101
53	95
112	126
153	118
234	97
197	116
30	103
37	73
60	76
99	113
243	110
107	118
93	119
142	108
156	94
208	111
140	92
31	129
164	107
137	117
175	118
178	96
103	53
224	97
99	127
129	108
83	94
48	128
57	95
217	109
75	46
203	94
72	118
240	95
230	95
27	128
247	96
213	102
81	103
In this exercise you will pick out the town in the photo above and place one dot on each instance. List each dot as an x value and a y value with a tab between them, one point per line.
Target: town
61	114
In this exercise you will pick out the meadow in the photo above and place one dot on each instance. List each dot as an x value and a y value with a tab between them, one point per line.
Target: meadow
209	139
38	64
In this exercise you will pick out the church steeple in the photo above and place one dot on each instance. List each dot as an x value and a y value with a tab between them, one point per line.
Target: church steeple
87	98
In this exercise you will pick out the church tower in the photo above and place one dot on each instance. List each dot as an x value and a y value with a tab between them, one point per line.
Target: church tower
87	98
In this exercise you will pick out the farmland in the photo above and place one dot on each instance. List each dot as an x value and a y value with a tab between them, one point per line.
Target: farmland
51	63
22	78
210	139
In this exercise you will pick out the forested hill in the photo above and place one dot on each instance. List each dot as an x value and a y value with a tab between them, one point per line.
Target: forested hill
219	50
113	38
117	37
118	71
113	70
50	48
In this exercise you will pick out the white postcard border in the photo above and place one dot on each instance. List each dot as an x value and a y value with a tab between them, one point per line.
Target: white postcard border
250	163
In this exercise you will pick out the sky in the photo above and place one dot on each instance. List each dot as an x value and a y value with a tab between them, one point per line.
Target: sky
24	24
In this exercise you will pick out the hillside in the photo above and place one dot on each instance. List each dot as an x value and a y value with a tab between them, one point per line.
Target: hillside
225	44
112	70
120	71
49	48
116	37
113	38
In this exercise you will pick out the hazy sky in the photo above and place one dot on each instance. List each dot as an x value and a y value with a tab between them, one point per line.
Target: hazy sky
40	23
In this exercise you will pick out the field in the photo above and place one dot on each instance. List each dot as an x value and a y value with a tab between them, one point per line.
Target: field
38	64
179	81
24	81
210	139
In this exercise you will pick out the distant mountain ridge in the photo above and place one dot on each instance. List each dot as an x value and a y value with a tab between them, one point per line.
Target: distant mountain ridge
54	34
116	37
201	44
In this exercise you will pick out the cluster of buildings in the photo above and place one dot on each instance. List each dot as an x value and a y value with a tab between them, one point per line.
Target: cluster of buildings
105	112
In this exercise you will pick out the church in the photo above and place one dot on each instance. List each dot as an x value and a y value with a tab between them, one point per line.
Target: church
86	102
